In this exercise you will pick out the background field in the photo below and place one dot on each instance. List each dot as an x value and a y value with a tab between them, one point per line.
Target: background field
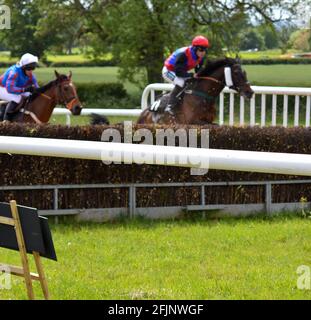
227	259
269	75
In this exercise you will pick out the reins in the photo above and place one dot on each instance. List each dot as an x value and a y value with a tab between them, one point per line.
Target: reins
209	78
203	94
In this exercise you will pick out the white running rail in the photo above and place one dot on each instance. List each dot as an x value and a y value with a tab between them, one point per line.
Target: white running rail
248	109
102	112
267	162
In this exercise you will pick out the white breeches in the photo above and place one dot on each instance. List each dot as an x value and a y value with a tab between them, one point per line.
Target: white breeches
171	77
5	95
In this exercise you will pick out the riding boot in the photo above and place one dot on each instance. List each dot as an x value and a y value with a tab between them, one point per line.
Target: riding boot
9	111
174	99
2	111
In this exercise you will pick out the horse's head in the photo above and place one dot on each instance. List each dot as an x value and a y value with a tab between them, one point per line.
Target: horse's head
227	72
67	93
239	79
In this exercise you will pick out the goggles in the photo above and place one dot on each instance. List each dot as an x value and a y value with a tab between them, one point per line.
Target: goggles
30	67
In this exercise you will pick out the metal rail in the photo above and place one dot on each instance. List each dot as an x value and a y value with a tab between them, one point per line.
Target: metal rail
133	187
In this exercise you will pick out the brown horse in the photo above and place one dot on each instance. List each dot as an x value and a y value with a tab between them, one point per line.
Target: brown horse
200	94
39	106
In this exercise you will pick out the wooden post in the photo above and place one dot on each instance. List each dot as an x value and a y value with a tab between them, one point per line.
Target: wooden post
24	271
22	249
42	277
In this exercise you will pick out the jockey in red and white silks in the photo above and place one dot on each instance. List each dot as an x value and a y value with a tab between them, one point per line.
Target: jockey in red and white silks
178	64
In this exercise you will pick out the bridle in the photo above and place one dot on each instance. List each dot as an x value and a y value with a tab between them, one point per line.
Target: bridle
226	82
68	104
71	101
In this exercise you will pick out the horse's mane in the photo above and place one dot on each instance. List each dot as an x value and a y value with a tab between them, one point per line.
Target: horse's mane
213	65
48	86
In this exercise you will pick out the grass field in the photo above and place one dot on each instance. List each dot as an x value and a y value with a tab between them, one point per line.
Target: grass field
279	75
85	120
77	56
267	54
269	75
250	258
83	75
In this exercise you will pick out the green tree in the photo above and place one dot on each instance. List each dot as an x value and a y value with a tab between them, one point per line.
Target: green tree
270	35
300	39
21	37
253	40
220	17
285	31
66	29
141	33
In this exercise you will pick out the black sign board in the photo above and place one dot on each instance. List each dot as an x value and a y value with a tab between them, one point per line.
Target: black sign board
35	229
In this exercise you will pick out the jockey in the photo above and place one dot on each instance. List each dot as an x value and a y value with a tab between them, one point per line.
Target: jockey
176	67
17	82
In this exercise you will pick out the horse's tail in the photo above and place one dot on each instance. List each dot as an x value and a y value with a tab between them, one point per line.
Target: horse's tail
98	119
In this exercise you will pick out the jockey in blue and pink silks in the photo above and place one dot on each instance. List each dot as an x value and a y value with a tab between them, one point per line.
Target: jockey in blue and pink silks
18	81
179	63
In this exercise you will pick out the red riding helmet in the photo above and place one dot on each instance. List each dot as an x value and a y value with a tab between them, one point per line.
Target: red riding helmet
200	41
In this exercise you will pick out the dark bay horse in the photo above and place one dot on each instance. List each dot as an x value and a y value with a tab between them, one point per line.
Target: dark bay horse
39	106
200	94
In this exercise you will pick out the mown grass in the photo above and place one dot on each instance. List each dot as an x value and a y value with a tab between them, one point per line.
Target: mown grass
249	258
267	75
279	75
85	75
86	120
266	54
77	56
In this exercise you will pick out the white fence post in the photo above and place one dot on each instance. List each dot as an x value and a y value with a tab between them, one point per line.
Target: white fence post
296	120
308	104
242	110
263	110
285	110
221	109
231	111
252	120
274	108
